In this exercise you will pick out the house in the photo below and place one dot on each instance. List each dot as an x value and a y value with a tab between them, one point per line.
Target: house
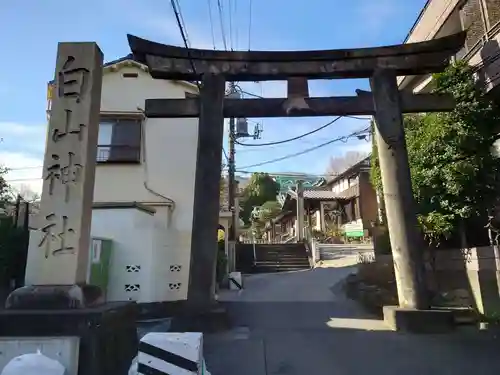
144	187
347	202
481	19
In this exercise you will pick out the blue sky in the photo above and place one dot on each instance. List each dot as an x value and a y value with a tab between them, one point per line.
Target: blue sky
32	29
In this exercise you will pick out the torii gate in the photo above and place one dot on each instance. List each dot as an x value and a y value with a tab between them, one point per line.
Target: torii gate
381	64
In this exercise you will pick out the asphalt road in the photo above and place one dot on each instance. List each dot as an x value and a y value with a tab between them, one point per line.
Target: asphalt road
301	323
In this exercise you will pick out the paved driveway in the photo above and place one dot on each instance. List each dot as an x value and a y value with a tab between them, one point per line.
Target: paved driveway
300	323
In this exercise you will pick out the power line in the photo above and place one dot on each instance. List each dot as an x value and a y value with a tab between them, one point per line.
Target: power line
339	139
211	21
297	137
298	175
237	34
250	25
306	142
230	11
180	21
261	97
23	168
23	179
222	29
289	139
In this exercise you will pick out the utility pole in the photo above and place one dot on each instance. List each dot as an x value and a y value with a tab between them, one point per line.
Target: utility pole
231	170
241	132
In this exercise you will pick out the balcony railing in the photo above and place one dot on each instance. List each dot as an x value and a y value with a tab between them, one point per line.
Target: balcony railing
467	53
118	154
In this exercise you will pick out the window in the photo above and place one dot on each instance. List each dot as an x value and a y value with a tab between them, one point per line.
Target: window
352	181
119	141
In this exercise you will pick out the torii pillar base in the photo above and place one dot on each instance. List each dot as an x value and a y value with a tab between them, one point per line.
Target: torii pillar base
419	321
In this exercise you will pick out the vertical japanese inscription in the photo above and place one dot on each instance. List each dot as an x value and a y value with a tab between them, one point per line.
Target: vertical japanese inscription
67	174
69	128
54	238
71	80
60	251
65	167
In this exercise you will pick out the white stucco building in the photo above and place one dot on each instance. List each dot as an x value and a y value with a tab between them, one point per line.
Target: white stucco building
144	188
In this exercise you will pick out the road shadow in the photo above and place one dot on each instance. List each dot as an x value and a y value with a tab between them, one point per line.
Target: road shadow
333	336
350	352
305	298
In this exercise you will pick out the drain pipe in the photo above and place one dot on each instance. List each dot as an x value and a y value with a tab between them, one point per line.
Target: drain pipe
170	201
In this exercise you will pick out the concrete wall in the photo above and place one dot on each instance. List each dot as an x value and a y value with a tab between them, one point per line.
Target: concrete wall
168	168
343	251
132	233
475	271
432	19
367	200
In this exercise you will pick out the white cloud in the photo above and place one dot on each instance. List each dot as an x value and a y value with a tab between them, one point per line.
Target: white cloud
22	137
22	149
24	171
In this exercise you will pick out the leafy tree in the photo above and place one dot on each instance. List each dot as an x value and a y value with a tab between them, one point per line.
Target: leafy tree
455	175
222	188
13	241
262	214
5	190
269	210
260	189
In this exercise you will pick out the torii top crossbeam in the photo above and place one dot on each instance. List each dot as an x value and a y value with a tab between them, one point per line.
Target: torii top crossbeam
177	63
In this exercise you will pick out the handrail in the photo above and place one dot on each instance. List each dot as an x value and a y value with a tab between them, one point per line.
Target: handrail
311	243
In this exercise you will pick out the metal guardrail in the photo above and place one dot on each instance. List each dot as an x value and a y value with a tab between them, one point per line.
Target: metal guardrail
273	241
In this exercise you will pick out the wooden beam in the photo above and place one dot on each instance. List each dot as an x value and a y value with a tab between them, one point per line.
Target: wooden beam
171	62
333	106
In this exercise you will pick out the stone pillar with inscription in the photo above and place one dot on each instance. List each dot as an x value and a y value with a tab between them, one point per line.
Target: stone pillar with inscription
59	303
69	165
64	219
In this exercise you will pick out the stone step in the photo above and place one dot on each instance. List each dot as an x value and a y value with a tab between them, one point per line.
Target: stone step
278	269
283	264
265	259
268	257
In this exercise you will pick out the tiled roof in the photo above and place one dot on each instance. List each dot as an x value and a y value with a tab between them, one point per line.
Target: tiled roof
325	193
319	193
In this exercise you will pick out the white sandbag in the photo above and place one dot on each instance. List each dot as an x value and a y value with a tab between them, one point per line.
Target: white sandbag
33	364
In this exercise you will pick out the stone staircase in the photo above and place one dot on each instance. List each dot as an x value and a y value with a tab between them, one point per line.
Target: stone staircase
280	258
